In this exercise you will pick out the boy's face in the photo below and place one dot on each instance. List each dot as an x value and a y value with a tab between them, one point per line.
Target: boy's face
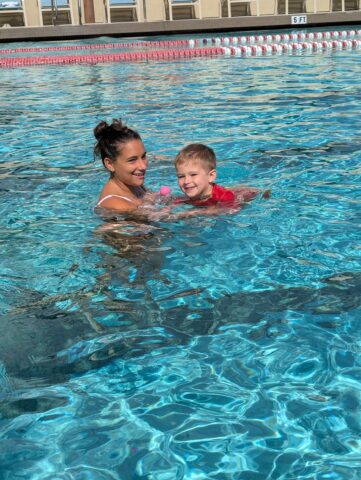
194	179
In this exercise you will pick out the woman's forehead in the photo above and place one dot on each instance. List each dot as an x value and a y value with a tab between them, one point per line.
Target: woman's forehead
132	147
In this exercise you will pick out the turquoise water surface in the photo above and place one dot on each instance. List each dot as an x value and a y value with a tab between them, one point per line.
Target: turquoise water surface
210	348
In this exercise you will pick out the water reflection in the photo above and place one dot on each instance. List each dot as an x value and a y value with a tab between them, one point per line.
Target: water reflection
120	318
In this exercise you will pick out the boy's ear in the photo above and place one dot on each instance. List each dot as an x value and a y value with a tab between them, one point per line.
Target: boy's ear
212	175
108	164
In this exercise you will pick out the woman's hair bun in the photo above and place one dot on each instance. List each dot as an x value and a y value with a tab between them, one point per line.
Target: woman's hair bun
111	137
100	129
104	129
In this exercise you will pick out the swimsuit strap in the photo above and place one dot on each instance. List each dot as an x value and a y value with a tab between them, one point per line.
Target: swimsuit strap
110	196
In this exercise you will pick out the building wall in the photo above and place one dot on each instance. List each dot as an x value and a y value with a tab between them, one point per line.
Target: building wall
37	13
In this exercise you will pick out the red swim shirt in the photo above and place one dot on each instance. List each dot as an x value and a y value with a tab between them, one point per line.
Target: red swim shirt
219	195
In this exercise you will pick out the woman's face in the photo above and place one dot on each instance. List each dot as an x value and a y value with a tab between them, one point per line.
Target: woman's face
130	164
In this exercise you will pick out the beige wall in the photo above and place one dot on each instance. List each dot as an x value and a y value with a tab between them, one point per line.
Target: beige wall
266	7
155	11
32	13
74	9
100	11
211	8
321	5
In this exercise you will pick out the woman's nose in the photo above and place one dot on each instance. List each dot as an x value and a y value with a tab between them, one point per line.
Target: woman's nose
142	164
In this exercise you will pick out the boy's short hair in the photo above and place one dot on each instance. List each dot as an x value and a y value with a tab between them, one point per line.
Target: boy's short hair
198	152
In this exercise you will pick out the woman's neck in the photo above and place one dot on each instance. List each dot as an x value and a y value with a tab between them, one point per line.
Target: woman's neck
129	190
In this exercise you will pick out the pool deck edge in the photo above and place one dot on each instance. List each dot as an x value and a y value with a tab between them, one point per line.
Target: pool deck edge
132	29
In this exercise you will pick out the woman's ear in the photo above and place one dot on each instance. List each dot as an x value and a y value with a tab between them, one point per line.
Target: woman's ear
108	164
212	175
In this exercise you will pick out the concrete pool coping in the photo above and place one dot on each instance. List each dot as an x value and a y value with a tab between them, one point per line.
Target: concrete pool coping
136	29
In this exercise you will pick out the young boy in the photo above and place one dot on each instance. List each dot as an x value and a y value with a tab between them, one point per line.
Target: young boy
196	171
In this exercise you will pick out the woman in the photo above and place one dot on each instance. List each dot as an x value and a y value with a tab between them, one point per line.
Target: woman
131	236
123	155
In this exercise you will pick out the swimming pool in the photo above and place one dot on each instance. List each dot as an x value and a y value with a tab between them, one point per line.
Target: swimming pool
212	348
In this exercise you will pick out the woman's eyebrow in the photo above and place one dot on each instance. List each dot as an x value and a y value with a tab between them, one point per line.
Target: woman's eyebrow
134	157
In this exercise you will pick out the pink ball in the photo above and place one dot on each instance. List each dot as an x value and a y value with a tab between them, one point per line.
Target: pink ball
164	190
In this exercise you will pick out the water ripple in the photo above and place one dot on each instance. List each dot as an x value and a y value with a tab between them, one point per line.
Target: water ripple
216	347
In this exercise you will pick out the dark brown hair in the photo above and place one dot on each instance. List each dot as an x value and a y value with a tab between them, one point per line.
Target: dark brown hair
111	138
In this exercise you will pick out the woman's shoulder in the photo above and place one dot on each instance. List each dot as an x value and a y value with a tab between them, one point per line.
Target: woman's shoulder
113	199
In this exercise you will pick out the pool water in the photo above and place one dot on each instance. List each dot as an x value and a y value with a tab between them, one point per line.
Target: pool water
218	348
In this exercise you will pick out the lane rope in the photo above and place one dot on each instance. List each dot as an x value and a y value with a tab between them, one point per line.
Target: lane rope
195	43
237	51
292	47
278	38
111	57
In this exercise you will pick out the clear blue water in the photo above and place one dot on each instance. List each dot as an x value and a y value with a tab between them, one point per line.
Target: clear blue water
209	348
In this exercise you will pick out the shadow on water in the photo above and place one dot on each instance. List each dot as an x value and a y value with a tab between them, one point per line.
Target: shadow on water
44	344
47	345
268	158
47	338
340	294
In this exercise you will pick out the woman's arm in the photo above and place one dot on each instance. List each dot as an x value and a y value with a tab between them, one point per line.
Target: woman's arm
247	194
244	193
